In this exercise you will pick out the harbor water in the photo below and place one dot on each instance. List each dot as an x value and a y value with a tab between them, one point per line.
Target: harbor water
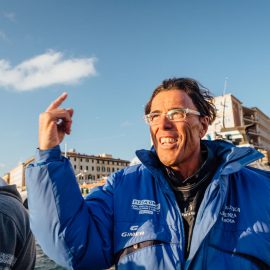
44	263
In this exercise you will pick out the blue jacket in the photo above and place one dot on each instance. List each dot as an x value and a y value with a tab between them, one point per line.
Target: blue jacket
136	205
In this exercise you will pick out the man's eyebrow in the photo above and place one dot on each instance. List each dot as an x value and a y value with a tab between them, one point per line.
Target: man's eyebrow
156	111
173	108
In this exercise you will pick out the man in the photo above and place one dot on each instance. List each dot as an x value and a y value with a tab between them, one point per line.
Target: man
190	204
17	243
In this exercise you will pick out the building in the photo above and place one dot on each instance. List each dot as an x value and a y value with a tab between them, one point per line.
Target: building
229	121
89	169
258	127
241	125
16	176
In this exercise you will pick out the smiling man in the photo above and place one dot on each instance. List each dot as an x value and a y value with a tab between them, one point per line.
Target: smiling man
190	204
177	137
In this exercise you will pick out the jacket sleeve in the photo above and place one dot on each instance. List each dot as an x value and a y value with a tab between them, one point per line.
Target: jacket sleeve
74	232
9	235
17	244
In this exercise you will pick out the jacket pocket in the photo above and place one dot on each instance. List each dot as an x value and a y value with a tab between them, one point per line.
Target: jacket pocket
158	256
146	243
135	247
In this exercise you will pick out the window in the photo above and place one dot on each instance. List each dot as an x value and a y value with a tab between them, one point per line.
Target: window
103	168
108	169
98	168
86	168
75	167
80	167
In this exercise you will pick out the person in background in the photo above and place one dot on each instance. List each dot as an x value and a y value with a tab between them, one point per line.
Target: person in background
190	204
17	243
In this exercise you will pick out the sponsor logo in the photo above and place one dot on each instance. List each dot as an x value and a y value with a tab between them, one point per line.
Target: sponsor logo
145	206
134	228
229	214
132	232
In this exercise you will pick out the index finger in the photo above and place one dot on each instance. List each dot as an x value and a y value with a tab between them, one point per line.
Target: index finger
56	103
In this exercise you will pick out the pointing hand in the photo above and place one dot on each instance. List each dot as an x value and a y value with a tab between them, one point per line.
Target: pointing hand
54	123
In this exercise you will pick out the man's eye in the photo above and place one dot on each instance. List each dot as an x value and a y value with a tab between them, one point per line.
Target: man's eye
154	117
177	115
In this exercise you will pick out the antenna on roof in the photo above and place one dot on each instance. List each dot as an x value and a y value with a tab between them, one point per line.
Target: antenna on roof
225	86
224	101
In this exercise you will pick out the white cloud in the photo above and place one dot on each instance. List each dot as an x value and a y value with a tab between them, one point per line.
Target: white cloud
45	70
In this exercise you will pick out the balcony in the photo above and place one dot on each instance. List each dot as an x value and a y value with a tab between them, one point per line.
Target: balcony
250	119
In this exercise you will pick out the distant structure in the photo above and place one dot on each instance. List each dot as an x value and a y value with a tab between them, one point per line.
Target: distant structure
17	176
90	170
135	161
241	125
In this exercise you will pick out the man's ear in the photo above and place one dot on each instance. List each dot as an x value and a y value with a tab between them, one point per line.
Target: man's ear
204	125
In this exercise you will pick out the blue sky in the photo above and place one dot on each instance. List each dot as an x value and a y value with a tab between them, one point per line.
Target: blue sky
110	55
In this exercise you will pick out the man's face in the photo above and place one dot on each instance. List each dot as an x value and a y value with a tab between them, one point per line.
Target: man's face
177	143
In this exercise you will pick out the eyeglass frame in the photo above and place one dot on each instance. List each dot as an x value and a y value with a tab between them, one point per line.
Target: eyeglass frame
169	113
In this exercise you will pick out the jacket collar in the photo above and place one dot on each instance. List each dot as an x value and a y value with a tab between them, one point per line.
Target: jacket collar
231	158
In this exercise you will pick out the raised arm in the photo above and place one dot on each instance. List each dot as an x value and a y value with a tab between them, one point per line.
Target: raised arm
77	234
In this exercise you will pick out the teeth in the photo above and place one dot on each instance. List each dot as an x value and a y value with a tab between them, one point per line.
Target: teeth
167	140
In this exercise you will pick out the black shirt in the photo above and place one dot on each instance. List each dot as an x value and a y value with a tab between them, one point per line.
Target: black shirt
189	192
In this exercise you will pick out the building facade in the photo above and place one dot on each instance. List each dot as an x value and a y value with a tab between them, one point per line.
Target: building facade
90	168
16	176
241	125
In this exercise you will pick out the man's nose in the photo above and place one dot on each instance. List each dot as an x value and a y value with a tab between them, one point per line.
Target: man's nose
165	122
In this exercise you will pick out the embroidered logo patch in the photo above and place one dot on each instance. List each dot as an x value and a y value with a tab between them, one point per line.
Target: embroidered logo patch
7	259
145	206
229	214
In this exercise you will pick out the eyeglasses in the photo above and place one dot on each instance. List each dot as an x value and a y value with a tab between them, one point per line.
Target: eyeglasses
174	115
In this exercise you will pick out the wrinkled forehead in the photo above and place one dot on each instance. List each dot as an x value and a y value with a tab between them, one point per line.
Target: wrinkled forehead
172	99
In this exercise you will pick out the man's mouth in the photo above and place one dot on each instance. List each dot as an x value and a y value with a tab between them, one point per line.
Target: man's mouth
167	140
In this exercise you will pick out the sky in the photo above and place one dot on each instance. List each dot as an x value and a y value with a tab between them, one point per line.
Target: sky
110	55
